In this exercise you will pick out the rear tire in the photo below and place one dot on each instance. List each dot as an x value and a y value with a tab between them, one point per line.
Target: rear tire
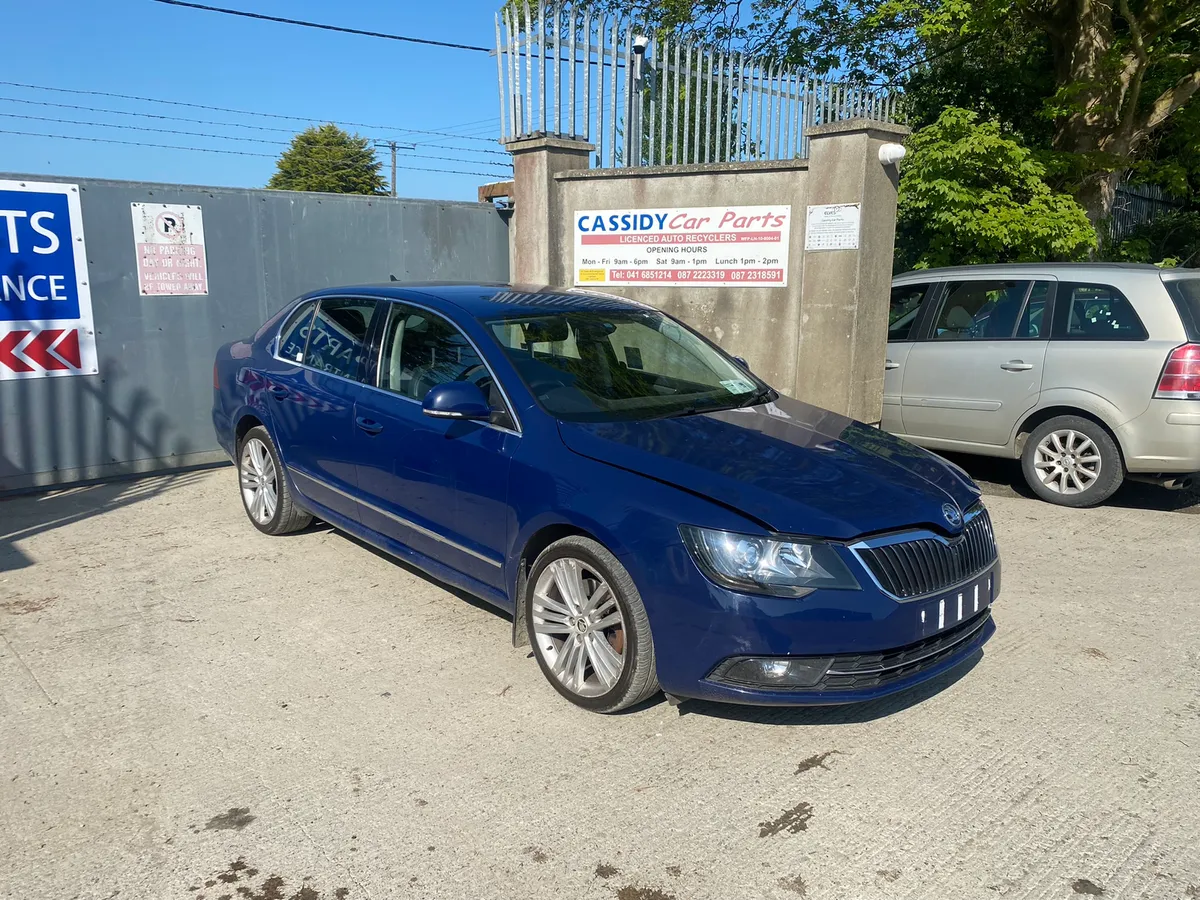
588	627
266	496
1072	461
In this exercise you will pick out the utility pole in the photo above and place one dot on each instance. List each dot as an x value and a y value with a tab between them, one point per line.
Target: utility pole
394	146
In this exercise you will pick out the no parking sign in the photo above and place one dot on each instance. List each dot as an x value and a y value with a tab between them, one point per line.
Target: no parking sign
45	301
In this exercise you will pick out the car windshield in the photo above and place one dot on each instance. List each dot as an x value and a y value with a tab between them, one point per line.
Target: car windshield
594	366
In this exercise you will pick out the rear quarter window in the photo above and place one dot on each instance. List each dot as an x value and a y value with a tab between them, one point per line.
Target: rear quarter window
1186	294
1095	312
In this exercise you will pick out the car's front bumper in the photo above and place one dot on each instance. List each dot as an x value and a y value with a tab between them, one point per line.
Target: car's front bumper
878	645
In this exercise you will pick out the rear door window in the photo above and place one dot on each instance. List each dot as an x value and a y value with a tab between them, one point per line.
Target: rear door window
1186	294
294	333
337	339
904	310
980	310
1095	312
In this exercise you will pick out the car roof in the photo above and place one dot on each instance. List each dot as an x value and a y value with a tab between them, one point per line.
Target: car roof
486	300
1072	270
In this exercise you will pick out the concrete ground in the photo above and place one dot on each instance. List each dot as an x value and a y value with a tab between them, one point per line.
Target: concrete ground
189	709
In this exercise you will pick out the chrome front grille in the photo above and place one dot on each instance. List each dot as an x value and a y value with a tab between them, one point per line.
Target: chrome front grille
925	563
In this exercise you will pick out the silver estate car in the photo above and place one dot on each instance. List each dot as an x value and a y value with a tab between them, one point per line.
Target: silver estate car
1089	373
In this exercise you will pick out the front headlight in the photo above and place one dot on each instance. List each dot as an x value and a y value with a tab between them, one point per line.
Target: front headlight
765	565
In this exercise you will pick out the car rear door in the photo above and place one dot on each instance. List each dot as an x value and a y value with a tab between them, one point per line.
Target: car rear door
313	401
979	369
439	486
906	314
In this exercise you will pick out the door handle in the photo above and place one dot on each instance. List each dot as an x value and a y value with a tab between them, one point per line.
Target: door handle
370	426
888	364
1016	365
278	391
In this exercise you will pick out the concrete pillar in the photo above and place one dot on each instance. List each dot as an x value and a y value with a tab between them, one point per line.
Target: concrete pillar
844	293
538	219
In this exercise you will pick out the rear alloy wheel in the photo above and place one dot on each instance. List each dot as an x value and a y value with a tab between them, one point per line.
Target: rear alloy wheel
588	626
1072	461
265	492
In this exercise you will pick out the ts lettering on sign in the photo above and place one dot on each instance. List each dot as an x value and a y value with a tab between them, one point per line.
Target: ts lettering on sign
45	301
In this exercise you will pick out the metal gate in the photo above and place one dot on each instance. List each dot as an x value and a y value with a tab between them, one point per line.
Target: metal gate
643	99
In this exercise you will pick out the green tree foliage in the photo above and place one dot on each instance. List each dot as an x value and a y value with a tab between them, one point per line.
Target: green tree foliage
328	159
1169	240
1099	91
970	194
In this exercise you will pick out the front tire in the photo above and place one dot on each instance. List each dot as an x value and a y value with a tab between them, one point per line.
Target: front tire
266	496
1072	461
588	627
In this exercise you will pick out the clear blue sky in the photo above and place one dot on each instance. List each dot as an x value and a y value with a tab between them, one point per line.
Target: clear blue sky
148	49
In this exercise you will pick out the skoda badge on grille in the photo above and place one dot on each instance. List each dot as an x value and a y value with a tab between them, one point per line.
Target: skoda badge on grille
951	514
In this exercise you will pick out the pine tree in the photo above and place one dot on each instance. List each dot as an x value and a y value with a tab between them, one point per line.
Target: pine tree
328	159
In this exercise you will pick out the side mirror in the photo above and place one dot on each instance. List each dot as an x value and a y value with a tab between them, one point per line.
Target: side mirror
741	362
456	400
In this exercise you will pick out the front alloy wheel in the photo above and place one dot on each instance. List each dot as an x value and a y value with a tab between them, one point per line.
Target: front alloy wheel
588	627
579	627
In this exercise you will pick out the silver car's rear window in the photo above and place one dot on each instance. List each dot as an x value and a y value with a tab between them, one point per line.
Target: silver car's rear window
1186	294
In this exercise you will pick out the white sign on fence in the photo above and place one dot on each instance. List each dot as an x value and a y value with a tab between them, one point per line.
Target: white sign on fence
45	299
169	240
707	246
832	227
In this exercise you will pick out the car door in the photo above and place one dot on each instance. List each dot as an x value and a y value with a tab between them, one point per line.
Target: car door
905	316
979	369
437	485
313	400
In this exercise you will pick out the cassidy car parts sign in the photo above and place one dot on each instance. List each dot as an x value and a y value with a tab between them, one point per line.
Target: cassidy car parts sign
45	301
706	246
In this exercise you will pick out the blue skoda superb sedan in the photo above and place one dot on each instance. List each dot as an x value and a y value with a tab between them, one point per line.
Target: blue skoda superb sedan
652	514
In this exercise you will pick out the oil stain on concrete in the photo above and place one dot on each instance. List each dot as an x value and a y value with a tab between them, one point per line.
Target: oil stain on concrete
634	892
792	820
238	882
795	884
817	761
1084	886
234	819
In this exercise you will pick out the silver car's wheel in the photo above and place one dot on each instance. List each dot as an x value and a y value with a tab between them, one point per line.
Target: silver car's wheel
264	487
579	627
1072	461
1067	461
260	481
588	627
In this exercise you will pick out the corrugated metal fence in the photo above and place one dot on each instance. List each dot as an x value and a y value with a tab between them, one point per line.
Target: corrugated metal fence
149	406
566	70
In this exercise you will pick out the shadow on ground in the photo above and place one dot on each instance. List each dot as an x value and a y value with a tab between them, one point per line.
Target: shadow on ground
1003	478
25	515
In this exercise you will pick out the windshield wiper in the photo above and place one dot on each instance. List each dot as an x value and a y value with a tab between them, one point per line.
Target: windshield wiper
763	395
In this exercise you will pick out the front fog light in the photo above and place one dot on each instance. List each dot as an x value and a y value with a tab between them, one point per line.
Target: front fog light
772	672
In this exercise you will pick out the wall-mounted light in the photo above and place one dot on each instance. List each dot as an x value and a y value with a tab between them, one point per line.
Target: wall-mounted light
890	154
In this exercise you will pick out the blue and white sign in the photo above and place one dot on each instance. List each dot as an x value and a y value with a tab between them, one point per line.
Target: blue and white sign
45	300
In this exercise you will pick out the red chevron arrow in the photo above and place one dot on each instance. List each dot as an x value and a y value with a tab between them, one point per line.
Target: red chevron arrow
68	348
8	344
38	350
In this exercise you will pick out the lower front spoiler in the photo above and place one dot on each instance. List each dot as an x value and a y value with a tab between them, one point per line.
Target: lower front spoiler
952	657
